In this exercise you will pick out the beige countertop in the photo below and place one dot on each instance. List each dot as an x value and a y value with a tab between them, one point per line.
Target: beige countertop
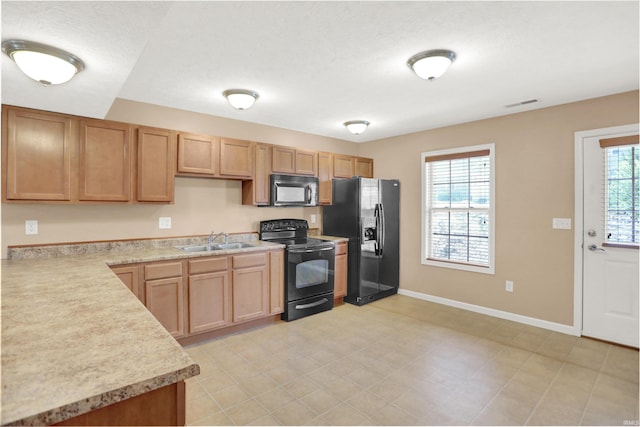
74	338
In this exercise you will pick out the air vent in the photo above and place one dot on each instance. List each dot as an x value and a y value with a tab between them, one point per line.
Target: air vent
518	104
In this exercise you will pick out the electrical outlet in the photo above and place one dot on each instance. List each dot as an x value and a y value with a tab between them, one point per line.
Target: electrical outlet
31	227
313	219
508	286
164	222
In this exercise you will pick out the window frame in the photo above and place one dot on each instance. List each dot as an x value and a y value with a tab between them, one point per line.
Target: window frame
425	210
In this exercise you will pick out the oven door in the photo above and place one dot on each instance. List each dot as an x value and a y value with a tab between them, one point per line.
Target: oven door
309	272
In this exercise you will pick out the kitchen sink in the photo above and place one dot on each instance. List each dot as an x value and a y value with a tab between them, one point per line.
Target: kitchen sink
214	247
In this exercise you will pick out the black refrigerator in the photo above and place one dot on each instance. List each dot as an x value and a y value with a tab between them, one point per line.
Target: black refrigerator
367	211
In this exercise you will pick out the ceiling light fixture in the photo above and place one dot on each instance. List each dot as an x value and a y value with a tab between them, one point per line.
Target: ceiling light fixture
431	64
356	127
240	99
45	64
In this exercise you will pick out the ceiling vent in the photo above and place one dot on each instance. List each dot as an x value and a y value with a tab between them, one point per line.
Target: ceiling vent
518	104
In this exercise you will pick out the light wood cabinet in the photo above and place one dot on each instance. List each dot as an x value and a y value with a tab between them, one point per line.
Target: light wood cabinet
325	175
250	287
340	271
198	154
164	295
209	294
130	276
256	191
276	281
37	154
288	160
156	170
342	166
236	158
104	161
363	167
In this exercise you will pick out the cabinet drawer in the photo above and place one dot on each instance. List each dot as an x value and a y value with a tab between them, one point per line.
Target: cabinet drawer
163	270
249	260
208	265
341	248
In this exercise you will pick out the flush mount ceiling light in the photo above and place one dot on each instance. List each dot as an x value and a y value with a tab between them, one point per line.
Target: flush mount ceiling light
431	64
356	127
240	99
45	64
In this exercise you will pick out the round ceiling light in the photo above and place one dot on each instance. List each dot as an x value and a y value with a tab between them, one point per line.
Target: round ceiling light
45	64
431	64
356	127
241	99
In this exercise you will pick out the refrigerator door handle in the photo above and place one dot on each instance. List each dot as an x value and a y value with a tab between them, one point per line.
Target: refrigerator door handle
382	230
379	228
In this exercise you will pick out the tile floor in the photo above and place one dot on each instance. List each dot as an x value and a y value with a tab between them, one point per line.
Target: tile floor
403	361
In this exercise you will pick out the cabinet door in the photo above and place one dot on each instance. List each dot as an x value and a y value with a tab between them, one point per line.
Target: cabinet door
284	159
165	300
236	158
324	178
250	294
209	301
340	272
256	191
363	167
198	154
38	155
105	161
130	276
276	281
306	162
155	165
342	166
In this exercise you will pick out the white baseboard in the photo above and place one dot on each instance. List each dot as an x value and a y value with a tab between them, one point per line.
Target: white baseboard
532	321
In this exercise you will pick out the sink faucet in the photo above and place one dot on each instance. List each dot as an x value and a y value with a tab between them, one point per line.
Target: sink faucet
212	238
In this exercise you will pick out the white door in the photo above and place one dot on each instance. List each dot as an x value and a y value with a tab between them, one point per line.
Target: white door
610	239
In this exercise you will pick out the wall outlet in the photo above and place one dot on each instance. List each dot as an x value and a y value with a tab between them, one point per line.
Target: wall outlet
164	222
508	286
313	219
31	227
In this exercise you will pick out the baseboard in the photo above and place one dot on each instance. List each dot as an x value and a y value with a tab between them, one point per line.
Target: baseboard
531	321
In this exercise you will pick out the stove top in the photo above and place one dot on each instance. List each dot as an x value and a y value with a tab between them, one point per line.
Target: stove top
290	232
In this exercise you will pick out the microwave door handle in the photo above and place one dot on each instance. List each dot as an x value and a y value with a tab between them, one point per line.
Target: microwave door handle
307	194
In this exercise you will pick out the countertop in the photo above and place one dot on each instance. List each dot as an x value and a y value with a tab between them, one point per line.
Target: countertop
74	338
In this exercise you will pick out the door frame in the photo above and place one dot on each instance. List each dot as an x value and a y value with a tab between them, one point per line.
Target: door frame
578	232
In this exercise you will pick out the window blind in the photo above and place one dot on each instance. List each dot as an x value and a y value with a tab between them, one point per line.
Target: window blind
622	168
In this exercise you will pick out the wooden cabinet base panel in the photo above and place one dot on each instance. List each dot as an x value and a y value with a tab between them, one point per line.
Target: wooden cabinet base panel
161	407
192	339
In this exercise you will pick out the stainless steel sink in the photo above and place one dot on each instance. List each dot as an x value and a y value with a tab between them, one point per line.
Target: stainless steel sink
214	247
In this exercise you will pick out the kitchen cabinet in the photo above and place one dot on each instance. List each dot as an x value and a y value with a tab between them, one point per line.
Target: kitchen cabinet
130	276
342	166
236	158
198	154
325	174
276	281
363	167
156	170
288	160
104	161
164	294
209	294
37	150
250	286
256	191
340	271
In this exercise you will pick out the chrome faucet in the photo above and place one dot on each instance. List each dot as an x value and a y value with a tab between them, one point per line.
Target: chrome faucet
212	238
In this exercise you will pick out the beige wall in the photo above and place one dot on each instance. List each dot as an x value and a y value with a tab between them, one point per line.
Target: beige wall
534	183
534	173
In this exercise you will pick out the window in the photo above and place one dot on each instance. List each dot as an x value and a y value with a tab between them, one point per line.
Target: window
458	208
622	164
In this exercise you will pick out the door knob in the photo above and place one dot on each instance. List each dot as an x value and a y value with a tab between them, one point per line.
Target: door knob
594	248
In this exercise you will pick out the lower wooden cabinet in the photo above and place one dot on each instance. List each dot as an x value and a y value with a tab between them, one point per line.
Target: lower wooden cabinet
209	294
164	296
130	276
250	287
340	271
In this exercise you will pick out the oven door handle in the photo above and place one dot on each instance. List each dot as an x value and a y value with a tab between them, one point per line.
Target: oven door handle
306	251
311	304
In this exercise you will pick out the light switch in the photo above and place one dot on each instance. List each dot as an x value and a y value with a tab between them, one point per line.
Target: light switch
562	223
31	227
164	222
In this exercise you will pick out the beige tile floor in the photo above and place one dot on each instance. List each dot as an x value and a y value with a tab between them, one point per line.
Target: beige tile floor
403	361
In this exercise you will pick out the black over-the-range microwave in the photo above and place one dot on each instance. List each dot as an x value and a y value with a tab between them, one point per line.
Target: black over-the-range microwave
293	190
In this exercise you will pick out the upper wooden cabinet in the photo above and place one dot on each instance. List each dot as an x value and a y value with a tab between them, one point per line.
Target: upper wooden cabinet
325	175
236	158
156	176
342	166
289	160
37	149
198	154
104	161
363	167
256	190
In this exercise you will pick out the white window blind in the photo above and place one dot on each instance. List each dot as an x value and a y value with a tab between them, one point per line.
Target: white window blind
458	208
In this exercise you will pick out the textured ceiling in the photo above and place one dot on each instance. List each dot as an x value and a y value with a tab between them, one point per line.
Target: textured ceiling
318	64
